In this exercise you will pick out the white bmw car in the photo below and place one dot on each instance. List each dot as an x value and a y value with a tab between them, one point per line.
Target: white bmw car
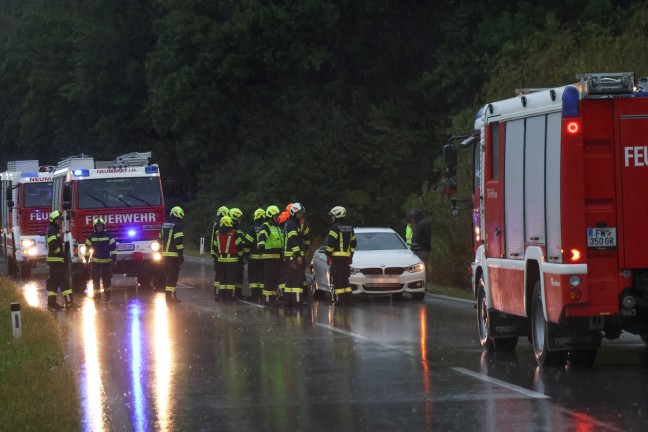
382	264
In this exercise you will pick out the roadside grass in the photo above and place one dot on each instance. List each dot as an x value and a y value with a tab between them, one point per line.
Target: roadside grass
450	291
38	391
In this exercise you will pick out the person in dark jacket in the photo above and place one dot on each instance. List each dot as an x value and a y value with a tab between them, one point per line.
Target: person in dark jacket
56	263
171	241
103	247
229	249
339	254
294	257
254	258
222	211
422	237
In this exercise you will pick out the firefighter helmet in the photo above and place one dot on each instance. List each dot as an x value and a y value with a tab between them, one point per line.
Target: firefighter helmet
259	213
272	210
222	211
295	208
177	212
338	212
98	221
235	214
226	221
55	215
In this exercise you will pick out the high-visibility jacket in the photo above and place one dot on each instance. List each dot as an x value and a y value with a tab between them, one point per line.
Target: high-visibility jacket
270	242
171	238
294	242
103	246
214	230
409	233
341	239
228	244
55	251
251	237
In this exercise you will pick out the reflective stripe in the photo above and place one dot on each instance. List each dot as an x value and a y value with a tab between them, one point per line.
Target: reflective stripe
178	235
342	253
54	259
170	254
101	260
269	256
169	243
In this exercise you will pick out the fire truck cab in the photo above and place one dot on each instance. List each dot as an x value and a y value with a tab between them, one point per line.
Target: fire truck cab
560	217
127	194
25	201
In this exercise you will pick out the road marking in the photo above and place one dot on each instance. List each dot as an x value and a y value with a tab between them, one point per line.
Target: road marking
345	332
501	383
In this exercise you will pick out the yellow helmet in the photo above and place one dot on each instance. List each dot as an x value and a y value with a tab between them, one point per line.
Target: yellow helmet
98	221
222	211
226	221
55	215
259	213
235	214
177	212
272	210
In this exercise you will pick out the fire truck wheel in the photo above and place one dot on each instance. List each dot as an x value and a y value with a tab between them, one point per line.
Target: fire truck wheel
504	344
540	330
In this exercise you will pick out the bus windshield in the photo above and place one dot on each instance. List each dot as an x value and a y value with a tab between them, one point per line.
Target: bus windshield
119	192
38	194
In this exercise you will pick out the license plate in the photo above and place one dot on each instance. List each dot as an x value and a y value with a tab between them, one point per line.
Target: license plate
601	238
381	280
125	246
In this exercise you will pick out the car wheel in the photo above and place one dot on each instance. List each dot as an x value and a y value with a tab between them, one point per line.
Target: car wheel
315	293
418	295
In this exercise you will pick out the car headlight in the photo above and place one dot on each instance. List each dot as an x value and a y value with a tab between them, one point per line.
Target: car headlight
355	270
416	268
27	243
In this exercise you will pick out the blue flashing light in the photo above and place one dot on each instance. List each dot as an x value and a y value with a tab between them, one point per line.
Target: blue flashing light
81	172
480	113
151	169
132	233
571	102
27	174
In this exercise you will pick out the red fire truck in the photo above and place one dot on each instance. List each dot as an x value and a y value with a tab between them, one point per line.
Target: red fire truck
127	194
25	201
560	219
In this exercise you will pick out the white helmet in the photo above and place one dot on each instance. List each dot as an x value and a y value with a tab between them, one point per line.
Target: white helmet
296	207
338	212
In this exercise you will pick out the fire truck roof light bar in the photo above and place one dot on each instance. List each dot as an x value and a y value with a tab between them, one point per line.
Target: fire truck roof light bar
28	174
151	169
612	83
81	172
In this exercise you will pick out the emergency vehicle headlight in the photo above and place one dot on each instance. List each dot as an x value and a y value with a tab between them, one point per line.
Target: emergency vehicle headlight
82	249
151	169
157	256
155	246
131	233
574	280
81	172
27	243
32	251
355	270
416	268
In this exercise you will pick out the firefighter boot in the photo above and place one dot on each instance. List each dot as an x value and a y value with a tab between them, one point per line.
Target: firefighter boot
52	304
107	295
69	303
172	298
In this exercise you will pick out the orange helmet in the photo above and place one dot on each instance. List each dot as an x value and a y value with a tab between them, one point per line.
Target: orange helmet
283	217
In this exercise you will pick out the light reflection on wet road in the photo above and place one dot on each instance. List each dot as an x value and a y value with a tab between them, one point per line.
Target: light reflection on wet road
378	365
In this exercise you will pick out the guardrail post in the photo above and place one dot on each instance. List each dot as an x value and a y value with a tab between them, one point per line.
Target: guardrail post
202	245
16	323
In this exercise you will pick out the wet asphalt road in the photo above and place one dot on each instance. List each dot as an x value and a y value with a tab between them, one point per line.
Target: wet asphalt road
377	366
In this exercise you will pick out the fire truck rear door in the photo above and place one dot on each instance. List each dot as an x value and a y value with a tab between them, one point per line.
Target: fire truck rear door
633	135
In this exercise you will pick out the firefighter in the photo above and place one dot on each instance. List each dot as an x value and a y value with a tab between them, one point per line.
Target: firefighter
104	253
171	241
254	258
56	263
222	211
283	217
294	257
229	249
339	254
237	218
270	244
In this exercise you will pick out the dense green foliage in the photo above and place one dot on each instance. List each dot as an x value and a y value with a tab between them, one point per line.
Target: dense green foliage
258	102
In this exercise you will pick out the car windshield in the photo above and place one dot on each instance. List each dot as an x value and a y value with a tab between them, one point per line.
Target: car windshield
119	192
38	194
379	241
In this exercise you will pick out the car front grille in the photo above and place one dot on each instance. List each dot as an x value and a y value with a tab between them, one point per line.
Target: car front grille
372	271
394	270
369	288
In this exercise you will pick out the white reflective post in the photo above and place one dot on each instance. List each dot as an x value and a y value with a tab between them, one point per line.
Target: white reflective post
16	323
202	245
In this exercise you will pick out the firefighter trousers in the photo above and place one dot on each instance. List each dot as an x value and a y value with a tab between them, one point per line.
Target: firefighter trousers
295	280
272	274
57	279
171	273
340	271
227	274
255	278
101	272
